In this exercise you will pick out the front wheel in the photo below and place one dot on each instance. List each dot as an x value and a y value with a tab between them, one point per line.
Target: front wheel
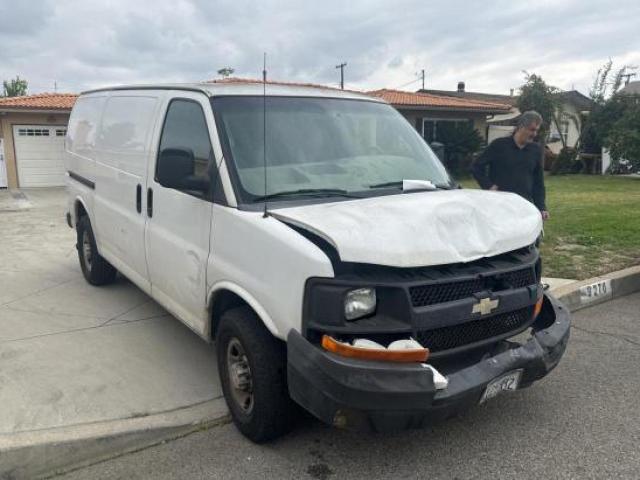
96	270
253	371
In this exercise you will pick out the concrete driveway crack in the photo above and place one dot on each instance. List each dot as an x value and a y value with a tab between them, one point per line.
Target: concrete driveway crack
80	329
115	317
36	292
607	334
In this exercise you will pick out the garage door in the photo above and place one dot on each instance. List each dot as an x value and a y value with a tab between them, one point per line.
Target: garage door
39	152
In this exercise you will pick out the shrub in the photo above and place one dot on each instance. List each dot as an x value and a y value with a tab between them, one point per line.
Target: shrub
566	162
460	141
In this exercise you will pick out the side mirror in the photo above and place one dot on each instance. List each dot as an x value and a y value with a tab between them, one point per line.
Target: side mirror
176	169
174	166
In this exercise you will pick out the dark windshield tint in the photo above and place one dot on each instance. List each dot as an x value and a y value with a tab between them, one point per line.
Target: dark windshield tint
320	143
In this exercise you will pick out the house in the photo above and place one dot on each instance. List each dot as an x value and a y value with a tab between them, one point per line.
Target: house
631	88
32	132
572	109
428	111
461	92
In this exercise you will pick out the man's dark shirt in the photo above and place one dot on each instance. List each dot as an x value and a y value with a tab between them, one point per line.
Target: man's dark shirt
512	169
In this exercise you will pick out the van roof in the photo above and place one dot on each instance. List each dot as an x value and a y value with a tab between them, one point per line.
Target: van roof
252	88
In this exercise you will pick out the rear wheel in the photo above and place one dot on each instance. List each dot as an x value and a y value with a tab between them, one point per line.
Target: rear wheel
253	372
96	270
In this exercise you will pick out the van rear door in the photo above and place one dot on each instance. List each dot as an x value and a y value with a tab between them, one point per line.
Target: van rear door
179	209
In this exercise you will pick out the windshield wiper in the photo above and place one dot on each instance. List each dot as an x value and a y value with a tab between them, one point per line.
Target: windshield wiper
398	183
317	192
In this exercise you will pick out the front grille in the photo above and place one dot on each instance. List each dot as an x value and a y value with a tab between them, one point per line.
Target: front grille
431	294
519	278
445	338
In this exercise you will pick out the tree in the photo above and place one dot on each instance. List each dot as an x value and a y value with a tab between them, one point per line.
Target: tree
14	88
226	72
536	95
600	89
613	123
622	136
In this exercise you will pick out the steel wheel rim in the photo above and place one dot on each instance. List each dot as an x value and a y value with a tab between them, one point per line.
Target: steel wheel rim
87	254
239	374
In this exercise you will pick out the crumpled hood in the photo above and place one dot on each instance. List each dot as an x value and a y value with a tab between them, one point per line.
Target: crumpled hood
421	228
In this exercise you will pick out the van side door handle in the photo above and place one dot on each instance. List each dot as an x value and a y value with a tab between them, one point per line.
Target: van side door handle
149	202
139	198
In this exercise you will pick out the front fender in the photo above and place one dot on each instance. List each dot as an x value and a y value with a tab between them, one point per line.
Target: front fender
249	299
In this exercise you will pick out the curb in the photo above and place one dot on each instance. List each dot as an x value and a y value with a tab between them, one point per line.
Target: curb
47	452
593	291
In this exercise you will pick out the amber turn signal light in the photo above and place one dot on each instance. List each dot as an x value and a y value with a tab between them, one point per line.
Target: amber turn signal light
538	308
345	350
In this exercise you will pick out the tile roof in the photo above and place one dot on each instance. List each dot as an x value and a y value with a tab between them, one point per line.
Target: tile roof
41	101
399	98
274	82
483	97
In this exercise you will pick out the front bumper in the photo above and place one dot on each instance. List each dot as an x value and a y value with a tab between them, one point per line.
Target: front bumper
385	396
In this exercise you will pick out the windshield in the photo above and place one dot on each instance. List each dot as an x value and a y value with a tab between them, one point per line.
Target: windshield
320	146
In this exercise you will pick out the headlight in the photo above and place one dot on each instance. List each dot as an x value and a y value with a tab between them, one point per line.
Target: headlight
360	302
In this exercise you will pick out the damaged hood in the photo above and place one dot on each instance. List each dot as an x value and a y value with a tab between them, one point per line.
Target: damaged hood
421	228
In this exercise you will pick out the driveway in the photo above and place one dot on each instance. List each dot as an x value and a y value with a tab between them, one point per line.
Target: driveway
72	354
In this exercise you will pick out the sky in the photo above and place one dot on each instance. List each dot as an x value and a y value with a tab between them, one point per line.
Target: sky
75	45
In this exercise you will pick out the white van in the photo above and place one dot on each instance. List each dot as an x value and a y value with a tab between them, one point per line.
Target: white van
313	235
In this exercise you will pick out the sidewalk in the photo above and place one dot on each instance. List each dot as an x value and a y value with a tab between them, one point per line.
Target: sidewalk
87	372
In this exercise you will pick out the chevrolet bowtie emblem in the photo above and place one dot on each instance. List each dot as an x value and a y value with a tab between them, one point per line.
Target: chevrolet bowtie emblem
485	306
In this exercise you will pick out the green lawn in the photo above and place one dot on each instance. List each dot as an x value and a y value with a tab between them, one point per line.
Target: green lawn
594	226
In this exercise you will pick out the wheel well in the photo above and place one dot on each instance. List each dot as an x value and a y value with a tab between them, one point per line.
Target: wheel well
80	211
222	301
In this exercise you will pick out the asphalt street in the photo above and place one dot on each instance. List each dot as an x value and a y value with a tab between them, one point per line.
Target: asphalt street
582	421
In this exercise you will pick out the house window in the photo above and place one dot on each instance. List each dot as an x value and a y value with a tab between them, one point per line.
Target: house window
61	132
430	127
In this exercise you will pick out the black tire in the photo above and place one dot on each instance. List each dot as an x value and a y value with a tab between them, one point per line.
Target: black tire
271	412
96	270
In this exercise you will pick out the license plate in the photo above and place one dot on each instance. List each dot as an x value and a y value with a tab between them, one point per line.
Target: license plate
506	383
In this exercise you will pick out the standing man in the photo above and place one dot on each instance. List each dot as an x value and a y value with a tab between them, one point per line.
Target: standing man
514	163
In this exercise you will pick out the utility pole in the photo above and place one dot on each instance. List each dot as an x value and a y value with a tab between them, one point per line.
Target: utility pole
423	79
627	77
341	67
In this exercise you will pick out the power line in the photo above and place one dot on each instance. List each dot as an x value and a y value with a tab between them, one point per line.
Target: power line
405	84
627	77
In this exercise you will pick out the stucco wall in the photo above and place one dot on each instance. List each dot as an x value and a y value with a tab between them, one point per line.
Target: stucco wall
573	132
8	120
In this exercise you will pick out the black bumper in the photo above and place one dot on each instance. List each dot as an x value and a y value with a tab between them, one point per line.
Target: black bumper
384	396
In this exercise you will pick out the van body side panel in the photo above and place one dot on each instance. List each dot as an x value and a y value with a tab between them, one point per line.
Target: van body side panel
121	163
80	152
270	260
178	232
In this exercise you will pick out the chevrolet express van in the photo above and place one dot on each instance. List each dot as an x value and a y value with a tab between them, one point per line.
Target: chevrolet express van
316	239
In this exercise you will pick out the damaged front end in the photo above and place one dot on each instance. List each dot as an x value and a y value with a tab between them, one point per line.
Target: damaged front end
487	326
